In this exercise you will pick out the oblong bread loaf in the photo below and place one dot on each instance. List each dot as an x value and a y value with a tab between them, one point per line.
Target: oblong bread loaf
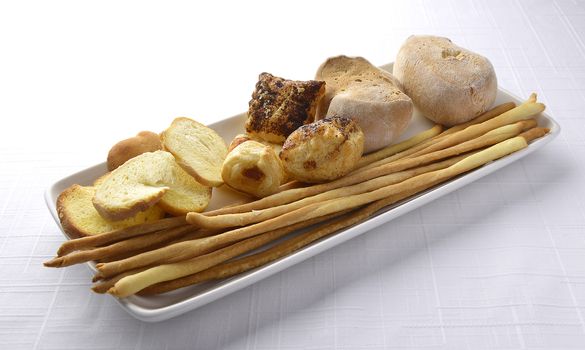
357	89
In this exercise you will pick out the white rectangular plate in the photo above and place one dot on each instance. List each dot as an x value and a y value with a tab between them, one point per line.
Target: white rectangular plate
162	307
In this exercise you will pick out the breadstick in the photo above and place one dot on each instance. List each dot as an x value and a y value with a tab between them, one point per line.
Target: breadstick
426	143
527	108
399	147
494	112
176	252
132	284
117	235
218	256
133	243
534	133
102	286
524	111
359	177
249	262
242	219
195	234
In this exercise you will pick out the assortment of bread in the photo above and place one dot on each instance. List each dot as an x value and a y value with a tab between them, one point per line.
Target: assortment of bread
319	153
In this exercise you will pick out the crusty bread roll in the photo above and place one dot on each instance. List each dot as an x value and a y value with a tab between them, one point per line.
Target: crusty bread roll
198	149
449	84
145	180
279	106
145	141
357	89
324	150
79	218
253	168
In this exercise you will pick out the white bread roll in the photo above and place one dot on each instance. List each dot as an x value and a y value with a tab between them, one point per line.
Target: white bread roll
449	84
372	97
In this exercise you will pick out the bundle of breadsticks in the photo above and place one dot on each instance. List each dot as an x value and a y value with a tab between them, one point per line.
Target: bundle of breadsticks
172	253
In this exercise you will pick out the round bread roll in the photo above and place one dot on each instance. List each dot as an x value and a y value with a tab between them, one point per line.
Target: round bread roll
357	89
253	168
145	141
449	84
324	150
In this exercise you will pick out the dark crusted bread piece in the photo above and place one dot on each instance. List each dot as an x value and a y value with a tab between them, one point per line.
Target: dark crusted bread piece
279	106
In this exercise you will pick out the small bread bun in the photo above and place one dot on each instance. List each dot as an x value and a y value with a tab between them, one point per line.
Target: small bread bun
253	168
449	84
144	141
324	150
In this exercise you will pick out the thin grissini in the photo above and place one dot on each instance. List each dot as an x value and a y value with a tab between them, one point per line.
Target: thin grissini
492	113
527	109
185	250
400	147
425	138
425	147
135	243
121	234
246	263
243	264
104	285
242	219
193	234
211	259
488	139
175	252
134	283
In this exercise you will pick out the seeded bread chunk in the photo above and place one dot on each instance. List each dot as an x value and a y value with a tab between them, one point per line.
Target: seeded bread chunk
198	149
145	180
279	106
79	218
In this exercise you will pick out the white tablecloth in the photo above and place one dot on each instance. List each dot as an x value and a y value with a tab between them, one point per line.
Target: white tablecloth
498	264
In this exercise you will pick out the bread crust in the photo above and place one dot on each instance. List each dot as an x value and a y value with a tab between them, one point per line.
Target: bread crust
449	84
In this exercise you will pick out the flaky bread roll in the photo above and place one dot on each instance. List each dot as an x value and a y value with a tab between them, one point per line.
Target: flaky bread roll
252	167
324	150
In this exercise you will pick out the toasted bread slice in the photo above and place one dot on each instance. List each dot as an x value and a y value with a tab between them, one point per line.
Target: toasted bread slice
198	149
145	180
79	218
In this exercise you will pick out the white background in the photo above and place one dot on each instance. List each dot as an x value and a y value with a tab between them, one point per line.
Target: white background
498	264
